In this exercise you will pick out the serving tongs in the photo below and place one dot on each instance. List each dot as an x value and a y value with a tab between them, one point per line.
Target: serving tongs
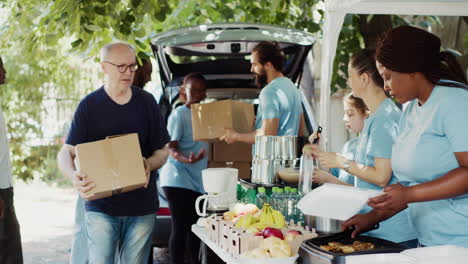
315	141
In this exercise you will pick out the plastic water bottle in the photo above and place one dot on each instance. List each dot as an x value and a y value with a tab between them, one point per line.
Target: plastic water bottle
286	194
297	216
261	197
280	200
273	197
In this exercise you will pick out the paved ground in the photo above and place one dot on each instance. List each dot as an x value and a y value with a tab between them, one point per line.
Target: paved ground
46	218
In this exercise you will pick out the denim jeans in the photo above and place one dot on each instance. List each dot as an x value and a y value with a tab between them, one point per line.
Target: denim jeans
79	248
129	236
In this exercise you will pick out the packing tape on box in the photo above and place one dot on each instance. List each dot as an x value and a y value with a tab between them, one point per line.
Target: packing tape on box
111	164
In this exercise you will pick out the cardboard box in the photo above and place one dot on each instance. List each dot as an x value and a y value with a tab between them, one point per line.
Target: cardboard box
223	151
209	120
115	164
243	167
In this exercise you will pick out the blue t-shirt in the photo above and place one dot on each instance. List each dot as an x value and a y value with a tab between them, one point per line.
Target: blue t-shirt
375	141
178	174
280	99
424	151
348	151
97	117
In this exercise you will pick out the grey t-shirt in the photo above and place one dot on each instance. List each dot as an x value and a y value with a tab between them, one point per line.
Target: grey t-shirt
5	163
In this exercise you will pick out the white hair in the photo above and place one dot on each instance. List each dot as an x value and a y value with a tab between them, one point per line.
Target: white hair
107	49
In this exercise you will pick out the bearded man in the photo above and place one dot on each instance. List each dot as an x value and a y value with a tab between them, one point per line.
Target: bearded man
279	111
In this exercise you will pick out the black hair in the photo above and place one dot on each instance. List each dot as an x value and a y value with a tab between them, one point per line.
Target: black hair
270	52
408	49
364	62
196	76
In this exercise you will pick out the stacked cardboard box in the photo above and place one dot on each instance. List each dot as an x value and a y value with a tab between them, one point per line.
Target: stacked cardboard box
237	155
209	122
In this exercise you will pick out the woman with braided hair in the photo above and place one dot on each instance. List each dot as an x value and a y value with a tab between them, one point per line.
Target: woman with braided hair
431	150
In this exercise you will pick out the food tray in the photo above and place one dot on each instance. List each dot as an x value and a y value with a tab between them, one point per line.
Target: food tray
381	245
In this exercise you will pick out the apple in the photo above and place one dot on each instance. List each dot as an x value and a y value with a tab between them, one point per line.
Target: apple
291	234
270	231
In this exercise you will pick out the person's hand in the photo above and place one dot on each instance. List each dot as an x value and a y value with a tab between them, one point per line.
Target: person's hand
313	137
147	166
2	209
230	136
200	155
82	184
321	176
360	223
311	150
395	197
331	160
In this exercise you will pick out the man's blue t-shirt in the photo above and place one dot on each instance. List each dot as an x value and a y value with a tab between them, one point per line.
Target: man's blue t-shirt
97	117
280	99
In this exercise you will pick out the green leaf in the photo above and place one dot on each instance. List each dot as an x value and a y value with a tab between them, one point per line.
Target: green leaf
100	10
92	27
76	43
135	3
141	45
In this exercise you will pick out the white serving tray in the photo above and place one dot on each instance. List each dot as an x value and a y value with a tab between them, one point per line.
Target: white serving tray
335	201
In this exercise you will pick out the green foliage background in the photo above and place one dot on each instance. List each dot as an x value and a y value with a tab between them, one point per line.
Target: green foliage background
44	43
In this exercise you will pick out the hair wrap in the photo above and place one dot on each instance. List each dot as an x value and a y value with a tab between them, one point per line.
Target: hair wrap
408	49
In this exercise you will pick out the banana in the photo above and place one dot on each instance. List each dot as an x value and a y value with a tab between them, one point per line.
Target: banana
279	219
245	221
240	221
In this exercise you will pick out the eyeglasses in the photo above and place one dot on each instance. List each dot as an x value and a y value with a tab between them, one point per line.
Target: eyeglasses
123	67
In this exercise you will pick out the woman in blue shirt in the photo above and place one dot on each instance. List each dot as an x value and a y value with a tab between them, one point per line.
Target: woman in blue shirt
181	177
371	165
431	151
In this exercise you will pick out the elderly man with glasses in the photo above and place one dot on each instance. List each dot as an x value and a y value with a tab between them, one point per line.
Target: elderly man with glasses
121	224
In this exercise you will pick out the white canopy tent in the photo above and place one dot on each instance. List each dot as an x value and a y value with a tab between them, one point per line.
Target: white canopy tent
335	11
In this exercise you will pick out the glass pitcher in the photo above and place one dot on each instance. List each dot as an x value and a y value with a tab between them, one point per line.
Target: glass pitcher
306	171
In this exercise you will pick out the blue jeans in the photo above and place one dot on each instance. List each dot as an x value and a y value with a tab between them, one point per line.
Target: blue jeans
79	248
130	236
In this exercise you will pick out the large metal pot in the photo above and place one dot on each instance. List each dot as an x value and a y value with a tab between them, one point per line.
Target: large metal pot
264	171
265	147
286	148
323	225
